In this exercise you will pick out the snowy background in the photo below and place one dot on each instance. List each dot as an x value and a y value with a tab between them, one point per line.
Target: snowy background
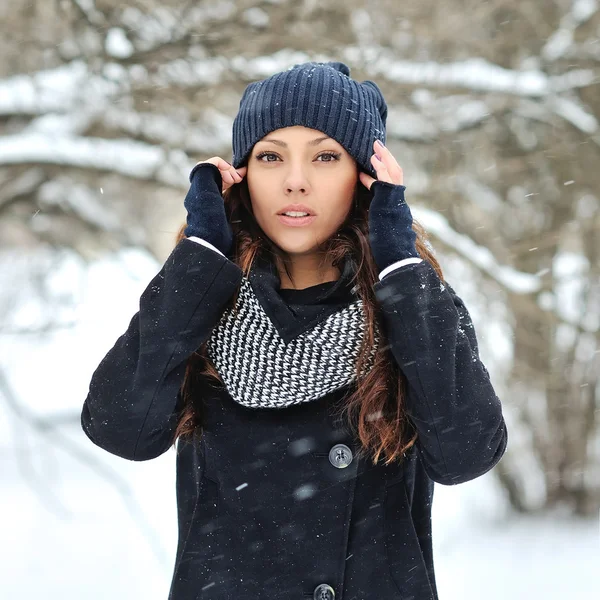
104	108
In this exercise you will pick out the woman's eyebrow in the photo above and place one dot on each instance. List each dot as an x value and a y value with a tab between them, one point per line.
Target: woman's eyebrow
284	145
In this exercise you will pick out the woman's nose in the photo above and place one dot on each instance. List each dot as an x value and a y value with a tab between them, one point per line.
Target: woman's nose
296	180
299	188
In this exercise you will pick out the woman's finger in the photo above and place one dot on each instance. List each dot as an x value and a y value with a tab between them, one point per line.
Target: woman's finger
229	174
227	177
236	175
381	169
221	163
366	179
388	159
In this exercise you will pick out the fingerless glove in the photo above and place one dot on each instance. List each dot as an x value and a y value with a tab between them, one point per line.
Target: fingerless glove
391	235
206	217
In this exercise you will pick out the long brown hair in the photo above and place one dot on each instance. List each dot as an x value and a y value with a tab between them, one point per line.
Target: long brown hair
374	407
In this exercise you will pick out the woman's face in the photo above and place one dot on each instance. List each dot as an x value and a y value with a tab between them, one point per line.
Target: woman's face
297	165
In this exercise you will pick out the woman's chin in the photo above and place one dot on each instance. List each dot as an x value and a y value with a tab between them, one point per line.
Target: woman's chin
297	249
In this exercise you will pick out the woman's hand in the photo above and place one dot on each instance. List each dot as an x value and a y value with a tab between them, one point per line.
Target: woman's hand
206	215
385	166
229	175
391	235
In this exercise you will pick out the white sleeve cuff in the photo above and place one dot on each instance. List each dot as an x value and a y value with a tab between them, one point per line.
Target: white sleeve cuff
397	265
392	267
204	243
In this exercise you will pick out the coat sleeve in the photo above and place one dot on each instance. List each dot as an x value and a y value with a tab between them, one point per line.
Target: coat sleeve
133	402
450	399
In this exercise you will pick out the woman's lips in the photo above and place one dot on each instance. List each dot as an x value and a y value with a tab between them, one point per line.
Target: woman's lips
296	221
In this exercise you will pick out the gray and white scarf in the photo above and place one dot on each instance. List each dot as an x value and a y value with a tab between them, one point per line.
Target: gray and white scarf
260	370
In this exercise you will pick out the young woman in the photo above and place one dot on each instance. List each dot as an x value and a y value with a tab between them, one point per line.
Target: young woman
317	373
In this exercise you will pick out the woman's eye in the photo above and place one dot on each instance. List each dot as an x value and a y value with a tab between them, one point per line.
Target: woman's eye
331	156
268	156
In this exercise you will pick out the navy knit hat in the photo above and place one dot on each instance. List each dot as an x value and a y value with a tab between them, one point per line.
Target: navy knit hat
320	96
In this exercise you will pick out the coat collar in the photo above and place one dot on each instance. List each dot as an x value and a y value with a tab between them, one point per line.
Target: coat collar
294	312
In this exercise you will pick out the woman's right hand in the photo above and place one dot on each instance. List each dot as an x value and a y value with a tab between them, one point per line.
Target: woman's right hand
229	175
206	217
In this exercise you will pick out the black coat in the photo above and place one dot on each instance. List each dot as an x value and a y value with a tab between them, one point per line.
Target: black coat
274	503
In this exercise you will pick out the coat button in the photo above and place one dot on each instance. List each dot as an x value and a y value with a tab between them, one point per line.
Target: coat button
324	592
340	456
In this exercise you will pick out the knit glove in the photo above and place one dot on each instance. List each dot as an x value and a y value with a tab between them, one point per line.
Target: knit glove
206	216
391	235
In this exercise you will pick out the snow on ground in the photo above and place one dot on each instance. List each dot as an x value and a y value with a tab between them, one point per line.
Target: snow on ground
481	555
77	522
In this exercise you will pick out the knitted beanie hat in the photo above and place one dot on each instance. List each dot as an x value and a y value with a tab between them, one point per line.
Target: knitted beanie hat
316	95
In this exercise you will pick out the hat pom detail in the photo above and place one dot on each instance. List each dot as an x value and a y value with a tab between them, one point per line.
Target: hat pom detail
339	66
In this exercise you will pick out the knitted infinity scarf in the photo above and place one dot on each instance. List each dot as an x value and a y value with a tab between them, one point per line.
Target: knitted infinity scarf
260	370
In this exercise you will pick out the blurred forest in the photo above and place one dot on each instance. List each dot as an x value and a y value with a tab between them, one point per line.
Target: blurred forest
493	115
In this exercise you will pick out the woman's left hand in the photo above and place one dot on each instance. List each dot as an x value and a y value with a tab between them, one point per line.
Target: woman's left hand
391	235
386	167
